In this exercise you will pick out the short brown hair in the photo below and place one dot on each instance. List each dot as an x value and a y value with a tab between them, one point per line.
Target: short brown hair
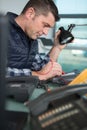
43	7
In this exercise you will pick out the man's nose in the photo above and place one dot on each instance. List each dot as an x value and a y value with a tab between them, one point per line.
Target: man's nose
45	31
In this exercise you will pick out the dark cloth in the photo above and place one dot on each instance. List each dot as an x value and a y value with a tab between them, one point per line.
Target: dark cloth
22	51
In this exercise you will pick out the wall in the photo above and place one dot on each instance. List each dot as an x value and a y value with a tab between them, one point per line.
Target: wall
72	7
12	5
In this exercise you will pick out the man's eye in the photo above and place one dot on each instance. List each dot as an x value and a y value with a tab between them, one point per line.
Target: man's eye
46	25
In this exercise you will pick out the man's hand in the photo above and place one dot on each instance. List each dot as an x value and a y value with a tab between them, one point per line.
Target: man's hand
57	47
50	70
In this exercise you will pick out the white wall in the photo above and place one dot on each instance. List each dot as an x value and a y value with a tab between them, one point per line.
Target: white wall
15	6
72	7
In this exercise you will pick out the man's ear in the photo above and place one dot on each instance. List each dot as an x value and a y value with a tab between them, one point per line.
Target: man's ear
30	13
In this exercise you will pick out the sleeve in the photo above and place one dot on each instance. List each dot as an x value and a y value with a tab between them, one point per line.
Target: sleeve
17	72
39	62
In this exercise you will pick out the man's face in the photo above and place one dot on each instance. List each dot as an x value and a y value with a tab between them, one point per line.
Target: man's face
39	25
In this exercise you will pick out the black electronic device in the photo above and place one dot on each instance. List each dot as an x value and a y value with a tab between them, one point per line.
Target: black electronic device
3	53
9	120
64	79
21	88
66	35
60	109
16	120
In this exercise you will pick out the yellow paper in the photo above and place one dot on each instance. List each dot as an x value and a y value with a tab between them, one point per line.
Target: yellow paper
80	79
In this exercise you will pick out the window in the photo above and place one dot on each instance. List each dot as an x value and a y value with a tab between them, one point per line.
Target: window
74	56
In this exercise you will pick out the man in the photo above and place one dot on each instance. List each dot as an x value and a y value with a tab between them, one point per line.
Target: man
37	17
